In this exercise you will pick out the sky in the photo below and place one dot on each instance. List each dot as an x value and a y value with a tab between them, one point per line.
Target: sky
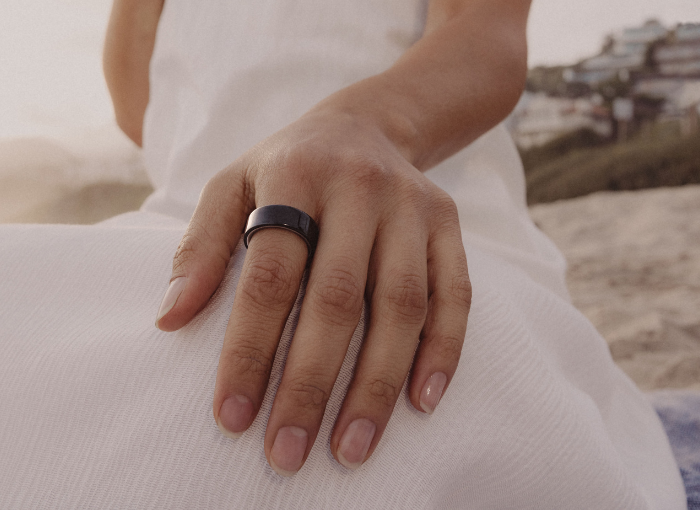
50	53
50	66
564	31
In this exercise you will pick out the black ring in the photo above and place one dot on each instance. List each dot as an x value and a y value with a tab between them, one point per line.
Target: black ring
283	216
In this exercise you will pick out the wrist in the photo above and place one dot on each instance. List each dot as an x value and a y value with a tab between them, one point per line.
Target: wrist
376	105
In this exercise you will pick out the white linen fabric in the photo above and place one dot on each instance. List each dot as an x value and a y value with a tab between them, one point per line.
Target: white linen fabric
98	409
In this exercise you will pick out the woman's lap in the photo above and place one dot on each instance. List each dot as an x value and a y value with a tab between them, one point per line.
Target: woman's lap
100	409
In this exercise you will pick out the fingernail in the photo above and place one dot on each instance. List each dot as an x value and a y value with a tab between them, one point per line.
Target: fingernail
171	295
355	442
432	391
235	416
287	454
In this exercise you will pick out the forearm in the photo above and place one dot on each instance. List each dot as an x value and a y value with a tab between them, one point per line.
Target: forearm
463	77
127	53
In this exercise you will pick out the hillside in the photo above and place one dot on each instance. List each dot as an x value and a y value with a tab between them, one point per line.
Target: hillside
581	163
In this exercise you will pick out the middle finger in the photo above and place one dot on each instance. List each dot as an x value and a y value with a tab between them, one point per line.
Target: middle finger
330	313
266	292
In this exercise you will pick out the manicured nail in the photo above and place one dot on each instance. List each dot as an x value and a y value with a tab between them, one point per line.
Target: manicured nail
432	391
355	443
287	454
171	295
235	416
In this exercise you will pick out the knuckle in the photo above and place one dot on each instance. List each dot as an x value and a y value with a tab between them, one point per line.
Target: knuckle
198	243
417	191
407	297
461	289
368	175
448	347
383	391
307	393
338	295
247	359
186	251
269	279
444	210
414	198
212	188
448	208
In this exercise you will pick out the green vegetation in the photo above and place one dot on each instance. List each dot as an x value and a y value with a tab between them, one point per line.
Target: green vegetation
581	163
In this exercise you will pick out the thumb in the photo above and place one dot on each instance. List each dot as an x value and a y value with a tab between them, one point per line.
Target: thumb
205	250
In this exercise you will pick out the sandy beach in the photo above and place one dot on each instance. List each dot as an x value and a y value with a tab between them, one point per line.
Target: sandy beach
634	271
80	180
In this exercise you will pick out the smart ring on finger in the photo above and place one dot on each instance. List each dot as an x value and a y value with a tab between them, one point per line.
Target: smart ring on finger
286	217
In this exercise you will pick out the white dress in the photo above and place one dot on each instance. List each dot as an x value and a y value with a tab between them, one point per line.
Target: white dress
99	409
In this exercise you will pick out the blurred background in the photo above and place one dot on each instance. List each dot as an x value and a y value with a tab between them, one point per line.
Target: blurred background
607	128
62	157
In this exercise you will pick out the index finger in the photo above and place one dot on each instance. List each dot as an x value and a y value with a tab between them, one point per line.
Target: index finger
205	250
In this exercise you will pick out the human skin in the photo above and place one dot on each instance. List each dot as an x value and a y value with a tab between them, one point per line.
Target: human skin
354	163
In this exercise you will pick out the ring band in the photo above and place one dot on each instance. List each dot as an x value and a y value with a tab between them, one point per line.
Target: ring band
286	217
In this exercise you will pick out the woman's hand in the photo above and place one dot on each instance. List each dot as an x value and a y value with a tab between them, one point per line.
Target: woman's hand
387	234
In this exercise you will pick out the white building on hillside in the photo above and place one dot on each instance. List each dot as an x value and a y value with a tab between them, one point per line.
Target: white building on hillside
625	51
680	56
539	118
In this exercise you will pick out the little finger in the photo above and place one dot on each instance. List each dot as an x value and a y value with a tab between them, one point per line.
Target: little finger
442	337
